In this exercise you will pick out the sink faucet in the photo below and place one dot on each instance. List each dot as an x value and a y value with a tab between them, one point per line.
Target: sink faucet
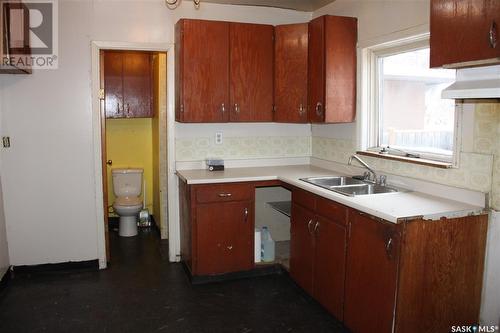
380	181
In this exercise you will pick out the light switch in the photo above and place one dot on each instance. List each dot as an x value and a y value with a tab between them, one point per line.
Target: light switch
6	142
218	138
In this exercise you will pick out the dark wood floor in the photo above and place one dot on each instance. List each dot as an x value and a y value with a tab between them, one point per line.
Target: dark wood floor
142	292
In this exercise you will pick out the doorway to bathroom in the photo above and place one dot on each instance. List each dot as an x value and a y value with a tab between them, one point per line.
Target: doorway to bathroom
133	142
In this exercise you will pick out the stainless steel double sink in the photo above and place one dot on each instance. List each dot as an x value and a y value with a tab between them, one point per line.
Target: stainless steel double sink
349	186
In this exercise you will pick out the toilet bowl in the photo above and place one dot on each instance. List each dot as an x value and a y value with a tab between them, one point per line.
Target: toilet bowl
127	188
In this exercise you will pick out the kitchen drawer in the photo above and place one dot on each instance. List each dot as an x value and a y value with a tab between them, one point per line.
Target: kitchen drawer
304	198
331	210
223	192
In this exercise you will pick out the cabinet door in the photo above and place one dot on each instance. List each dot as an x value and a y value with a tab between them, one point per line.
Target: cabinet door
341	36
371	274
113	84
290	73
225	237
302	247
137	84
460	31
329	265
202	71
251	70
316	70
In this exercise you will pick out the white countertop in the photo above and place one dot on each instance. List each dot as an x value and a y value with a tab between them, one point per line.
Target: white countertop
392	207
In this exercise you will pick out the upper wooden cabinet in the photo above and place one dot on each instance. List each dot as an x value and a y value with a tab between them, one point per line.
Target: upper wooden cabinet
251	72
242	72
15	39
128	86
332	69
290	73
201	71
224	71
464	31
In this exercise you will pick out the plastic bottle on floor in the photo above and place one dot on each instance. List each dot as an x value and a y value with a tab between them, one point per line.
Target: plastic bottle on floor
267	245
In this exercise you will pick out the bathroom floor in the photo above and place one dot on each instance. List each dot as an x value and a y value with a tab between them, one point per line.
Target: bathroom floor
142	292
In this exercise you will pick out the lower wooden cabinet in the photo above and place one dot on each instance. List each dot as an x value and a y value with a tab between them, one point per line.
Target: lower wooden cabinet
329	265
371	274
302	247
318	249
224	232
217	228
375	276
378	276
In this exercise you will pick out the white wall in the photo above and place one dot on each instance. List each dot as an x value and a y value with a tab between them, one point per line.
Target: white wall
490	305
4	250
48	180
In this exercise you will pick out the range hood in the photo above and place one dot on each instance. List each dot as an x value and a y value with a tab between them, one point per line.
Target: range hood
475	83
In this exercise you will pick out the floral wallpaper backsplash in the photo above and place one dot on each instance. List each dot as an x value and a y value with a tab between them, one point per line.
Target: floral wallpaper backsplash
478	170
197	149
474	172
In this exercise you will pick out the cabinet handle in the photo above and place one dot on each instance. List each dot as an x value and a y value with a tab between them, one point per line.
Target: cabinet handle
128	110
236	108
388	247
309	226
118	108
319	109
301	110
230	247
223	108
316	227
225	195
246	214
493	35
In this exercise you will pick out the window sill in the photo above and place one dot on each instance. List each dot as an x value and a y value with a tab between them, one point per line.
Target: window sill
420	161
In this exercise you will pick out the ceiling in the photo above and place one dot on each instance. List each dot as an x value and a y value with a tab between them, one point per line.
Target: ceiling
302	5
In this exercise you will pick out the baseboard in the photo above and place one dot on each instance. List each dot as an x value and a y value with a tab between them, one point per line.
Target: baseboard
258	271
64	267
5	280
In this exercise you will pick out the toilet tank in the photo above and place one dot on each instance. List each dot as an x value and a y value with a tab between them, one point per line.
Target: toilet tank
127	182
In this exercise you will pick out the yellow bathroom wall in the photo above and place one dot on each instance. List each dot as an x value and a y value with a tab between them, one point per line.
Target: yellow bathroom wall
129	144
156	142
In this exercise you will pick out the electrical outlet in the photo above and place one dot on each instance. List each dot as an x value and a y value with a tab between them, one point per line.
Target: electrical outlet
218	138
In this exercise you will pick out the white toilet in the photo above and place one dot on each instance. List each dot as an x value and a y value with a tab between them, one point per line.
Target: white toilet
127	184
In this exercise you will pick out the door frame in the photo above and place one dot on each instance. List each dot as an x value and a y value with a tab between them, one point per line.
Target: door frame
172	218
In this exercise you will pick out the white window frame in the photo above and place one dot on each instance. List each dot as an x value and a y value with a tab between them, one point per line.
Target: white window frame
371	129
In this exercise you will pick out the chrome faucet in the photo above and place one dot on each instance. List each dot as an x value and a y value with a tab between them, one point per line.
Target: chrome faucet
381	180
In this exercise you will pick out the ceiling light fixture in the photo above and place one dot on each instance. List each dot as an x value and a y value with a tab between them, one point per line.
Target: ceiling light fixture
172	4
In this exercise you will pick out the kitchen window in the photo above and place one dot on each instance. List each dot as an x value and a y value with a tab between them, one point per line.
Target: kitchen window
406	115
